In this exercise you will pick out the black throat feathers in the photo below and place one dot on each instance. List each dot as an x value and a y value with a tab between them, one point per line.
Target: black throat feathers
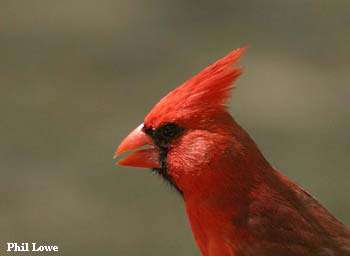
162	138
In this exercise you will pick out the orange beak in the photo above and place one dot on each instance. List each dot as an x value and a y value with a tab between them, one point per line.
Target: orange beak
145	158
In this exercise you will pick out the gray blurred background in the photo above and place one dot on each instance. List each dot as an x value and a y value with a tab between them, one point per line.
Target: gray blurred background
77	76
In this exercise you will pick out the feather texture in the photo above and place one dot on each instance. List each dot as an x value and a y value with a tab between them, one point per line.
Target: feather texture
205	92
237	203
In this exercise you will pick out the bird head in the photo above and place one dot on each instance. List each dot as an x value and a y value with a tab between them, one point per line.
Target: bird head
189	131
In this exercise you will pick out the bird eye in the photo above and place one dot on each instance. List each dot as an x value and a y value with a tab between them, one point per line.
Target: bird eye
167	132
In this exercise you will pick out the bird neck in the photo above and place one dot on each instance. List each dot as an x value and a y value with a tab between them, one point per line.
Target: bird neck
237	165
217	203
218	212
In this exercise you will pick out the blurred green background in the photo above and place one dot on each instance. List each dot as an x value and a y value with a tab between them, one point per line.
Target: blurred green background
77	76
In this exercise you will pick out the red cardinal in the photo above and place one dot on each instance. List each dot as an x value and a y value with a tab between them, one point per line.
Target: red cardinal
236	202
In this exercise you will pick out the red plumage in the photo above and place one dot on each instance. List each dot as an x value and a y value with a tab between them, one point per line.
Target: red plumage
201	95
237	203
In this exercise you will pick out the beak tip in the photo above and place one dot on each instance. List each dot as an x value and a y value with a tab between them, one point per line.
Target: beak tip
120	149
147	158
120	163
116	153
